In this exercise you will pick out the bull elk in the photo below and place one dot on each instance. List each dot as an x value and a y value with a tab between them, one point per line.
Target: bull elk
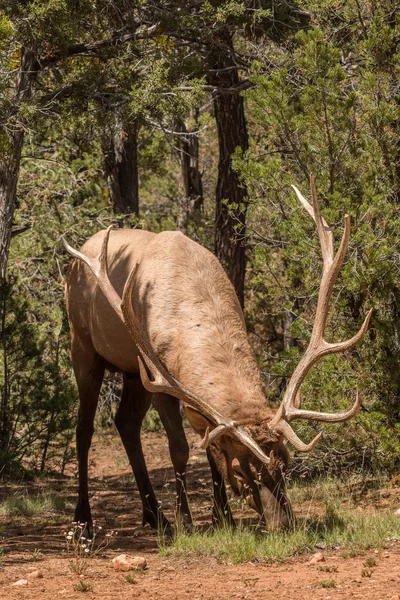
160	309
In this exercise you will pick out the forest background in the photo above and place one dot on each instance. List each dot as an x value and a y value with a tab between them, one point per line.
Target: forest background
198	116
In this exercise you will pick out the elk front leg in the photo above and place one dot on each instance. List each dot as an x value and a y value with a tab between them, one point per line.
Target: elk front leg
170	414
221	510
135	402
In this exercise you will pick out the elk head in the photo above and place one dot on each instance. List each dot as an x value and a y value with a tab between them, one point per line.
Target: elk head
252	458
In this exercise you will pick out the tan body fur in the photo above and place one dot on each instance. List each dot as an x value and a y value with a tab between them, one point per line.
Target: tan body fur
188	309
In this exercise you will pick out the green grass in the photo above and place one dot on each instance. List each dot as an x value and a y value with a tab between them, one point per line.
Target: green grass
83	587
336	528
29	505
322	490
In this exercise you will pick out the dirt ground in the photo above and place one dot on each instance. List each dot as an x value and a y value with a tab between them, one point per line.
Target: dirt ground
37	543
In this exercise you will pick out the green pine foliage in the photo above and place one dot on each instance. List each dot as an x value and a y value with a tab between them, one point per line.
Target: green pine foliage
37	395
336	116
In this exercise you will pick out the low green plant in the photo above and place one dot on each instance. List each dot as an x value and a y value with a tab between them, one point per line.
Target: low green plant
83	587
366	572
130	579
352	553
328	568
36	555
370	562
327	583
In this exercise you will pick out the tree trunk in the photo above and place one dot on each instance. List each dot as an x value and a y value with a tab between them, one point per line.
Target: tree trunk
191	193
121	167
5	425
230	193
9	170
11	158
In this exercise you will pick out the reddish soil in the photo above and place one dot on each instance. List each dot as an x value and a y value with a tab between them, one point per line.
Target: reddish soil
37	542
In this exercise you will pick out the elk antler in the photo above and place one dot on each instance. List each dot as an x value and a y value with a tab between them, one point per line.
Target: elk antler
161	380
318	347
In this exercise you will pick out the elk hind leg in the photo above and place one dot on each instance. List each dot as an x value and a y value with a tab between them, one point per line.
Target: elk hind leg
170	415
135	402
89	372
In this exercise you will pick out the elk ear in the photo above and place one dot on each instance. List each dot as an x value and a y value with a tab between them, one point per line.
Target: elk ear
198	421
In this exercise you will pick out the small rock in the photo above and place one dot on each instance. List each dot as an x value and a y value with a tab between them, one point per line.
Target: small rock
139	562
395	597
37	574
397	512
21	582
124	562
320	545
121	563
318	557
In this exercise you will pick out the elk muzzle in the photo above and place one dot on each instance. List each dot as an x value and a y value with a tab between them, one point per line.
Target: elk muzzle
265	493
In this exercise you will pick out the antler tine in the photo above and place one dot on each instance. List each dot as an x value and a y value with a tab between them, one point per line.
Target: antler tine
293	438
99	268
350	343
102	258
142	342
162	380
318	347
324	231
209	438
313	415
76	254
